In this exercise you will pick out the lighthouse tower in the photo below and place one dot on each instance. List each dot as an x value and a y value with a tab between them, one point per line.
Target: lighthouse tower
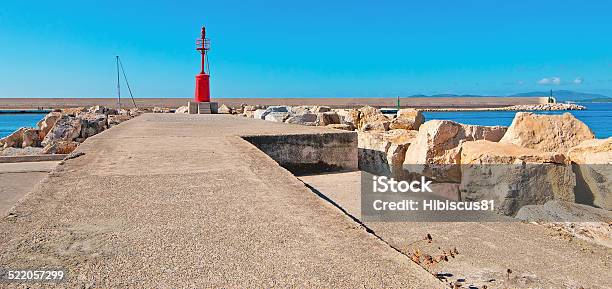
201	103
202	90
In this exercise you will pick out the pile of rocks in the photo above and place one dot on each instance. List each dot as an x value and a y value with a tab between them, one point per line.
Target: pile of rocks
164	109
546	106
366	118
529	163
520	107
538	161
223	109
61	131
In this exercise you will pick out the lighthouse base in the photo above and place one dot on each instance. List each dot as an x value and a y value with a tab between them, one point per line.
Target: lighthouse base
194	107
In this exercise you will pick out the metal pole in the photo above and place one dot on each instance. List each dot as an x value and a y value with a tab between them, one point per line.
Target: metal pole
127	83
202	69
118	84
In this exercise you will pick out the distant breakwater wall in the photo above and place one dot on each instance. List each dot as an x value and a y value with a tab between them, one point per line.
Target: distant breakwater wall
416	102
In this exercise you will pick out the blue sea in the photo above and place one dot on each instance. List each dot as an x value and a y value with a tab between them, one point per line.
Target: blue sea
598	117
10	122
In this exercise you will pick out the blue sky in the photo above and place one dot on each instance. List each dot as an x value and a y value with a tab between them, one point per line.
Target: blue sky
306	48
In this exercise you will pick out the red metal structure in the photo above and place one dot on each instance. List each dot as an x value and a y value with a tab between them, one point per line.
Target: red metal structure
202	90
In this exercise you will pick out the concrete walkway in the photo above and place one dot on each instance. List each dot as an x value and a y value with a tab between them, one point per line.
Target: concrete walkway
18	179
182	201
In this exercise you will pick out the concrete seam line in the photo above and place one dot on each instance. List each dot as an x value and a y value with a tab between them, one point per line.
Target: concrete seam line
363	225
25	172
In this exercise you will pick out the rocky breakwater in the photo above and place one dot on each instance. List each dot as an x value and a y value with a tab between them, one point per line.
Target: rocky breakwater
519	107
61	131
537	161
547	169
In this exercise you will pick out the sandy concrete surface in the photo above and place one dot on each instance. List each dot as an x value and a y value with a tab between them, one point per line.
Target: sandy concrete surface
424	102
169	200
18	179
539	257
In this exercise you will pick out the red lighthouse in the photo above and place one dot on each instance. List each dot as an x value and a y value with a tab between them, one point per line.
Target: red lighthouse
202	90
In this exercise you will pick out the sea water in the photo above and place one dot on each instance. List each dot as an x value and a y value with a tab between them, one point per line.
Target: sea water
10	122
598	116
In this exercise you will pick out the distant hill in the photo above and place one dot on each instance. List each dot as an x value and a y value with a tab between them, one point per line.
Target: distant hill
567	95
449	95
603	99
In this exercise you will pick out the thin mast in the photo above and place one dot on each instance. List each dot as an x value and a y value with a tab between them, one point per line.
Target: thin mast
118	83
127	82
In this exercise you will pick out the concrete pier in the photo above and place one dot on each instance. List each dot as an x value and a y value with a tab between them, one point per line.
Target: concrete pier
178	200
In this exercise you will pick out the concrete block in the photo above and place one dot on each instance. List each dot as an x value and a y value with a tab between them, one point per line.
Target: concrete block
310	153
192	107
208	107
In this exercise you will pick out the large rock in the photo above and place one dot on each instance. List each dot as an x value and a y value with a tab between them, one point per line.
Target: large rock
93	124
73	111
45	124
371	118
67	128
237	110
513	176
260	113
341	126
488	152
407	119
114	120
60	147
182	109
435	152
581	221
278	108
13	140
349	116
31	138
223	109
594	151
562	211
382	152
550	133
320	109
303	119
379	125
133	112
162	110
592	160
249	110
326	118
99	109
301	109
276	116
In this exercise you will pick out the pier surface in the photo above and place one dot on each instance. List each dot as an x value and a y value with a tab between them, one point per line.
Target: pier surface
173	200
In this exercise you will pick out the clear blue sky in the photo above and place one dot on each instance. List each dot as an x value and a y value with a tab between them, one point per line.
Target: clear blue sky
306	48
